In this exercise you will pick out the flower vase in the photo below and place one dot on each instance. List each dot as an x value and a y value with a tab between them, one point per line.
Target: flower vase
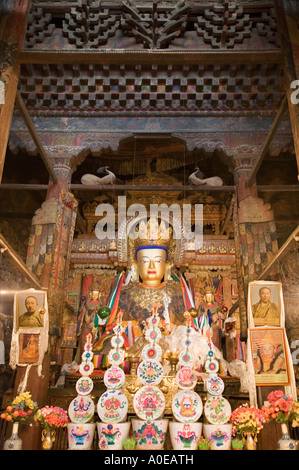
250	441
48	439
285	442
14	442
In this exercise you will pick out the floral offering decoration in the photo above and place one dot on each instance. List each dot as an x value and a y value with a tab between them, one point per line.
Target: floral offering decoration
203	444
237	443
280	407
295	422
247	420
51	417
21	408
129	443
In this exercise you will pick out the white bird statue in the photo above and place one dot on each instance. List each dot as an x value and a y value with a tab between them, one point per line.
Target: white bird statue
196	178
92	179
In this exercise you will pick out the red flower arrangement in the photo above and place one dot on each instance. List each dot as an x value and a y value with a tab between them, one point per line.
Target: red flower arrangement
51	417
280	407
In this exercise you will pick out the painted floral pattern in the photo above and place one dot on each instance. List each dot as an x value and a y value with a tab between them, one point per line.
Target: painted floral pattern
150	372
112	406
217	410
149	433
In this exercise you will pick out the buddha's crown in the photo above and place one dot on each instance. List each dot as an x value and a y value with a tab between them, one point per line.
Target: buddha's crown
152	233
209	287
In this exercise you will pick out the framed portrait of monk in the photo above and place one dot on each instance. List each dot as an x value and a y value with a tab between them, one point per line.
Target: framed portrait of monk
30	309
270	356
30	335
28	348
265	304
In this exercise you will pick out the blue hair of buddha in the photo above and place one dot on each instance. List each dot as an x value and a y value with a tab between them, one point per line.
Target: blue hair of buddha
149	247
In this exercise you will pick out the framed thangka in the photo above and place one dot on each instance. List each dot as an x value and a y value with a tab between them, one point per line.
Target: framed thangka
265	304
270	356
28	348
69	338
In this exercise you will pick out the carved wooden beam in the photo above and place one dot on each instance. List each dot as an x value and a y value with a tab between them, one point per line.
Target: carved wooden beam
228	216
288	37
289	245
135	187
13	24
35	137
19	263
26	187
281	112
125	57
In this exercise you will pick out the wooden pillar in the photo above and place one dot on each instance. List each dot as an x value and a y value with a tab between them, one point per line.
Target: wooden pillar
52	230
287	15
65	225
255	218
13	25
48	258
255	229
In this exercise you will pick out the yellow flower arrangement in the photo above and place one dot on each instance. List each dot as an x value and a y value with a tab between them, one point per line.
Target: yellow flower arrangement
246	419
21	408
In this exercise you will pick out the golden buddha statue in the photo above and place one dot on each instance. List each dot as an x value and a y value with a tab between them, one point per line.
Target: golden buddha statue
88	309
151	283
153	286
212	312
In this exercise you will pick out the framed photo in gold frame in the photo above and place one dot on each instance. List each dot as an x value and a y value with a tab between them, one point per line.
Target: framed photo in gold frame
265	304
30	309
30	335
270	357
28	348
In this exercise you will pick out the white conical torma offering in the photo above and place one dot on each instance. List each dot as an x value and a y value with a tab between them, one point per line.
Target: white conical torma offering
81	409
112	406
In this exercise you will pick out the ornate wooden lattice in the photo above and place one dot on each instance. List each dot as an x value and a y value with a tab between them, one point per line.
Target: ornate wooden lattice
89	24
155	29
39	26
224	25
267	27
131	88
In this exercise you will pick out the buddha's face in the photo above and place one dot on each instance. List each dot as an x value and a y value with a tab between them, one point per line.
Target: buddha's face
151	264
209	298
95	295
